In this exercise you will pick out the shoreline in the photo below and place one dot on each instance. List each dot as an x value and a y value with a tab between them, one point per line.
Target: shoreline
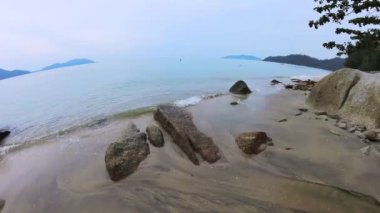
309	176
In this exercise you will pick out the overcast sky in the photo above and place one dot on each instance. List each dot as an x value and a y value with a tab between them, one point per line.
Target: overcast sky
36	33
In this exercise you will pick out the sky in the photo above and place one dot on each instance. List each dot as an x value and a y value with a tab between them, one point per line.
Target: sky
37	33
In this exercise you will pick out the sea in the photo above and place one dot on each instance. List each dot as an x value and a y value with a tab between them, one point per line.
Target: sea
45	103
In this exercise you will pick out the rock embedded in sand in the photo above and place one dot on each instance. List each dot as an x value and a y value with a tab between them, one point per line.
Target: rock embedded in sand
178	122
282	120
4	133
2	204
303	109
124	156
240	88
234	103
252	142
155	136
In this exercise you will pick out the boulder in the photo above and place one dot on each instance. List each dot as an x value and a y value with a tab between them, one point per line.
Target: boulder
124	156
351	94
2	204
3	134
252	142
240	88
178	122
155	136
371	135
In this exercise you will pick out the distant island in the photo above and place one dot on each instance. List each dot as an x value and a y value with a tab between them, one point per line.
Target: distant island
75	62
304	60
9	74
242	57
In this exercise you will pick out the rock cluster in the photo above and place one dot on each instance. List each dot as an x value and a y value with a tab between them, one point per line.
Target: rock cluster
124	156
301	85
179	124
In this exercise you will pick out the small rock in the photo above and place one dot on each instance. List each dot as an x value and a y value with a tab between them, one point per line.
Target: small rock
2	204
252	142
359	134
342	125
303	110
334	132
361	128
155	136
288	148
366	150
320	113
274	82
352	129
124	156
234	103
288	86
298	114
326	119
4	133
282	120
240	88
335	117
371	135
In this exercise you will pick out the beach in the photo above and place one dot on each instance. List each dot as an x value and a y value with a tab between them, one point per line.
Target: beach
308	169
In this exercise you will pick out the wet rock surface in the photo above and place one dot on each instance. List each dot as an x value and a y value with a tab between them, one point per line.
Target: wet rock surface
124	156
252	142
179	124
240	88
155	136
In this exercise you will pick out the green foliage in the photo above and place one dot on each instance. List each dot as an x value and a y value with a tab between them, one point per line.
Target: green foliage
363	16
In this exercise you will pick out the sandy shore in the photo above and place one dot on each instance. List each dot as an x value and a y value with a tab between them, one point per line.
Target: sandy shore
67	173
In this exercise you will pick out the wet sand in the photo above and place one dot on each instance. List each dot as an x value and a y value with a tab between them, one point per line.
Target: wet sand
67	173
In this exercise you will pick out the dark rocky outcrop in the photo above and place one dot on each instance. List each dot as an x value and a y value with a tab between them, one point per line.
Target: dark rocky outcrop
155	136
3	134
240	88
351	94
2	204
124	156
252	142
179	124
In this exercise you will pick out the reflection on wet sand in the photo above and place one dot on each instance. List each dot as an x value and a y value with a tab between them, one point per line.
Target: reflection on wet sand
68	174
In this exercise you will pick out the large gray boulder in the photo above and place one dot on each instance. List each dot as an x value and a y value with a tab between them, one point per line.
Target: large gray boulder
179	124
124	156
352	94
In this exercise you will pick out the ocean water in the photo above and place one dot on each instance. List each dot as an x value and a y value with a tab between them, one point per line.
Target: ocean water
44	103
